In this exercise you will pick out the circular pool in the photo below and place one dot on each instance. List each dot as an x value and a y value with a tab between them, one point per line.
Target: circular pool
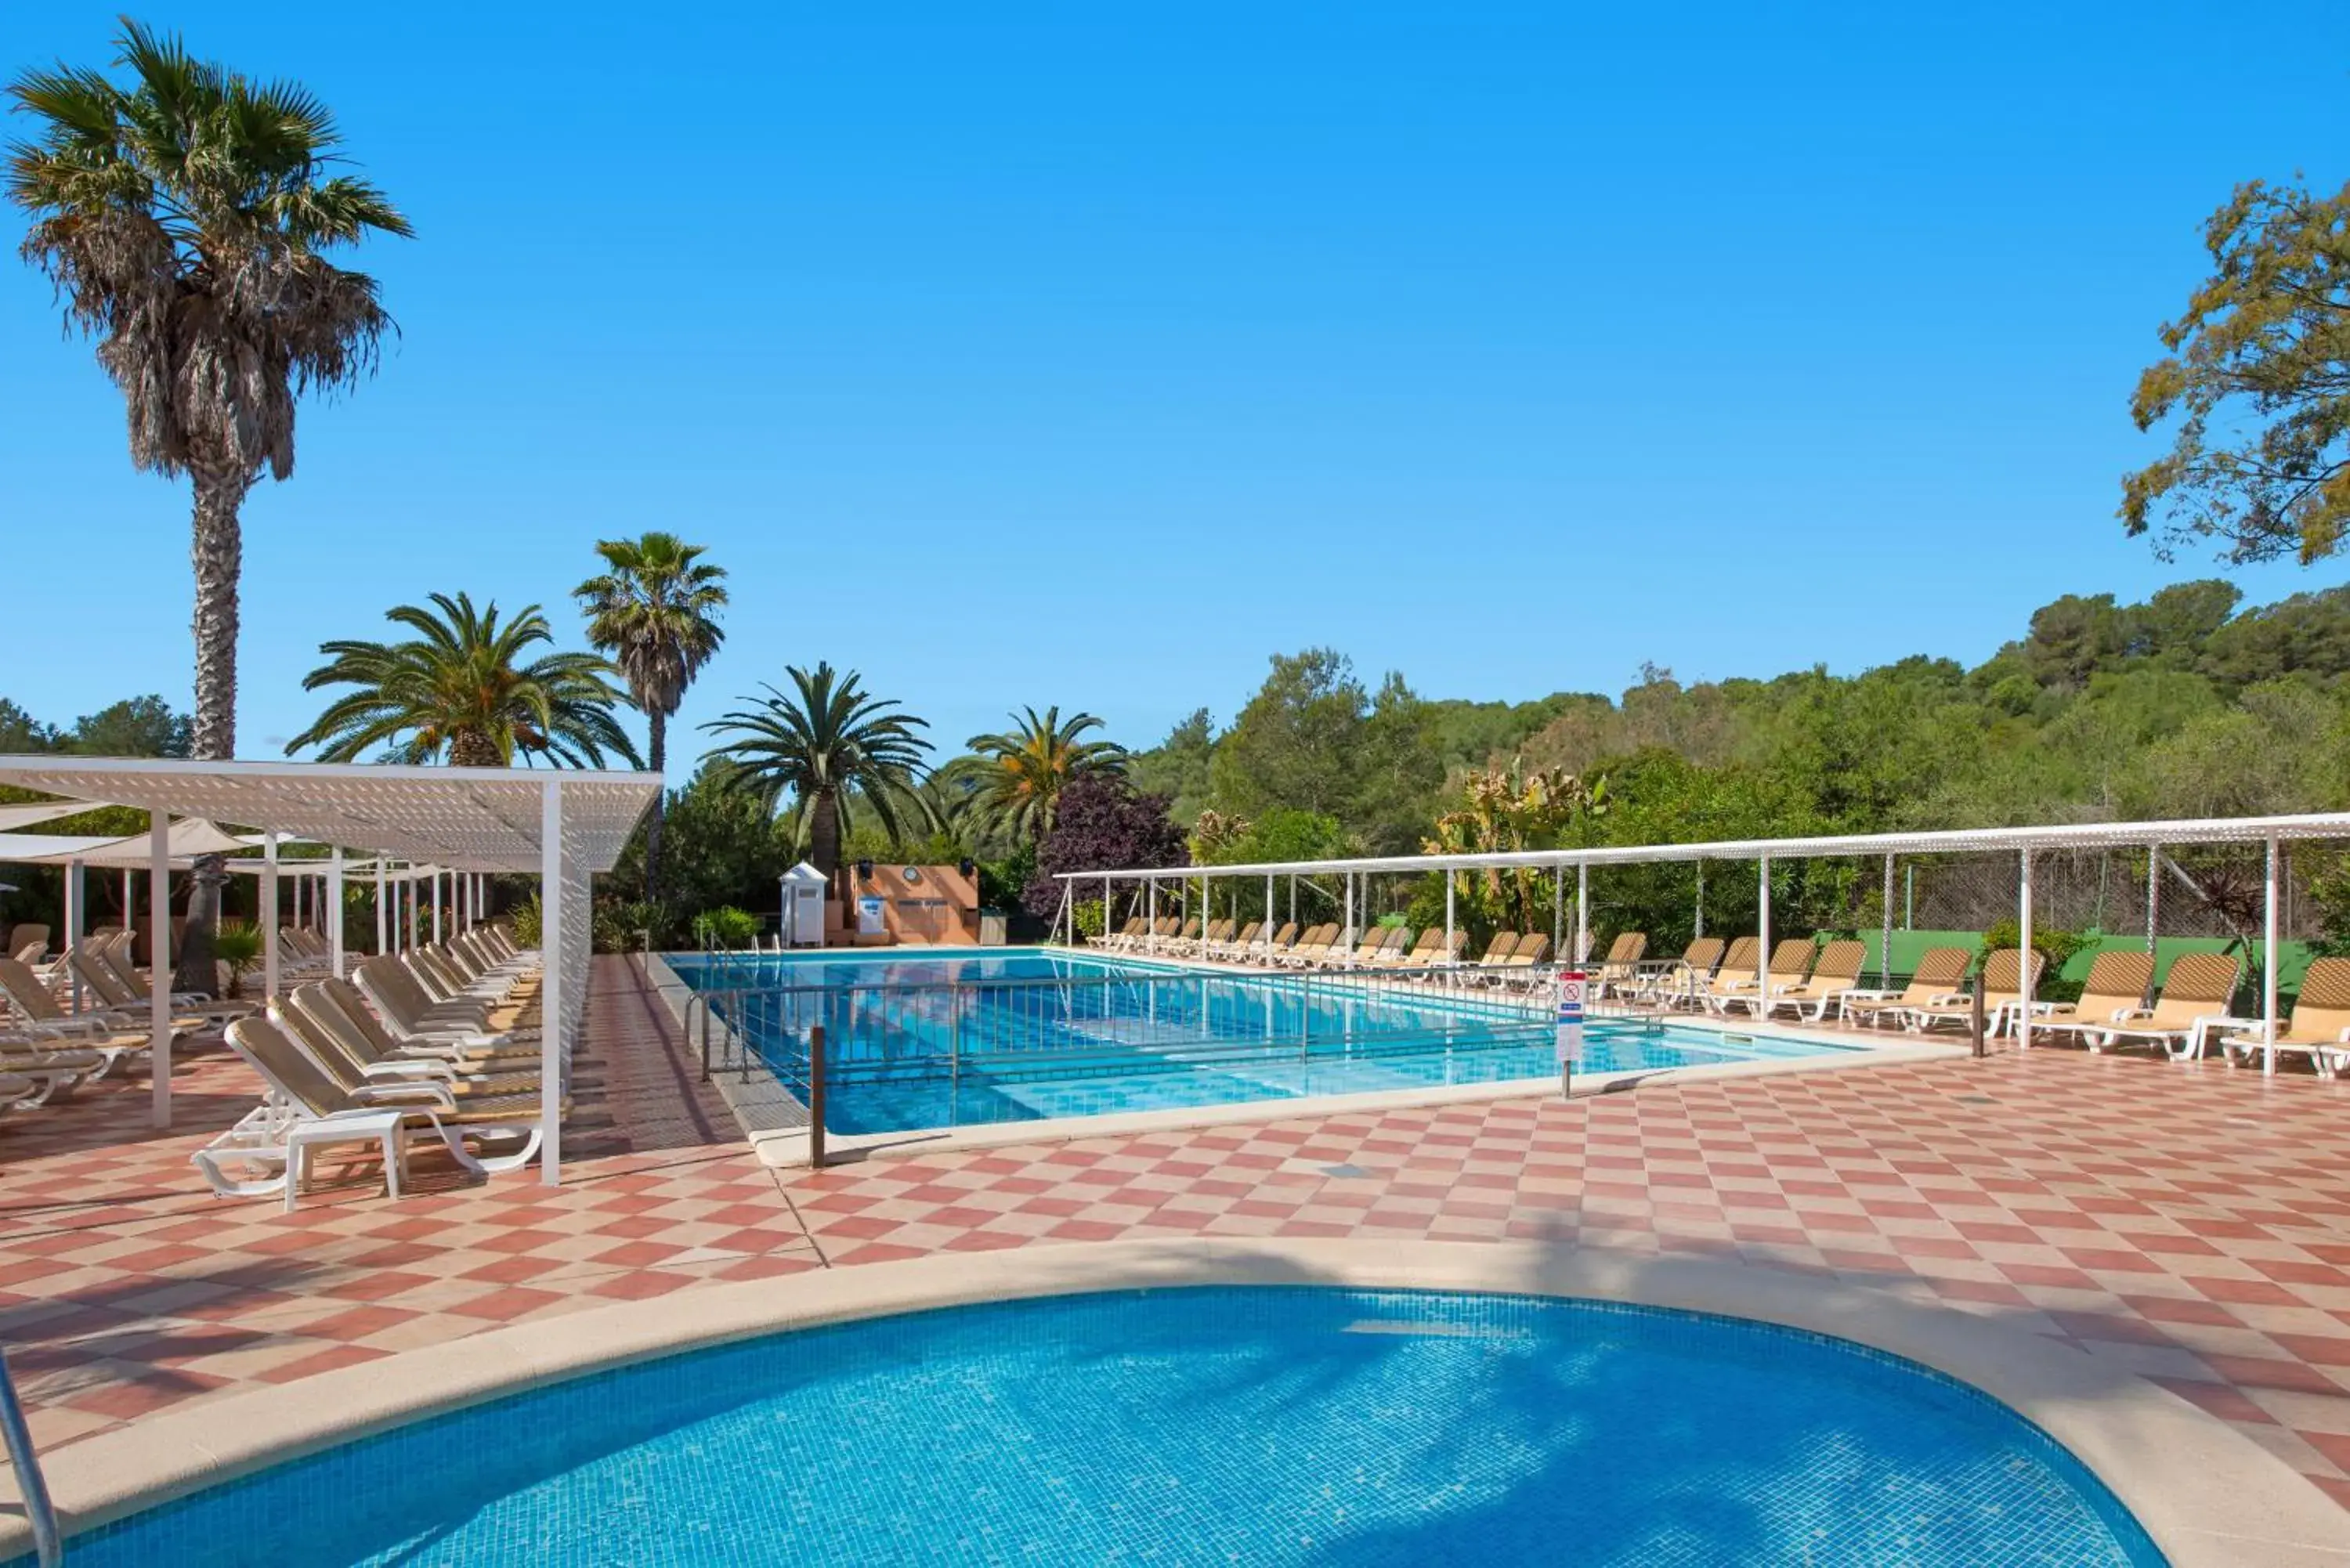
1243	1425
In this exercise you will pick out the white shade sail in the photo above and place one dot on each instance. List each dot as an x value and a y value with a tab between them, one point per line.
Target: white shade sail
190	838
13	817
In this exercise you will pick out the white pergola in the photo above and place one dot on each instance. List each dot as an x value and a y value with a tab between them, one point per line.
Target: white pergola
2271	832
562	826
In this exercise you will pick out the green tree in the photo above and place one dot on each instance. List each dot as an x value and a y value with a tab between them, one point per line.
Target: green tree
2258	377
1178	767
1020	772
136	727
185	216
20	732
654	609
826	743
461	692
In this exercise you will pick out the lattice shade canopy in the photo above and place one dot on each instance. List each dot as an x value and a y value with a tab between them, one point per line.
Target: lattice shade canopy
469	819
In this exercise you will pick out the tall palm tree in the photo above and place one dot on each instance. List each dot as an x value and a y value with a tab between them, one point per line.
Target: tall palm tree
822	743
185	217
460	692
654	611
1022	771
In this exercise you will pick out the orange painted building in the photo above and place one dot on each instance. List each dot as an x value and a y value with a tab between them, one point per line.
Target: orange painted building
873	905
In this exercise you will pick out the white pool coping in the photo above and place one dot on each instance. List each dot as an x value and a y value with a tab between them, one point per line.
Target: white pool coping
2210	1496
776	1123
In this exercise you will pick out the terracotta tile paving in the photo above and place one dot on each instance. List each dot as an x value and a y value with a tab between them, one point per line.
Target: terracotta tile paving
2191	1223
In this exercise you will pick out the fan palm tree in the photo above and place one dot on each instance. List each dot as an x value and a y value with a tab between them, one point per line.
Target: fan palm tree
824	742
654	611
460	692
185	217
1022	771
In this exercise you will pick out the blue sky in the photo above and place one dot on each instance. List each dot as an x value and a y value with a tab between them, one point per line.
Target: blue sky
1088	355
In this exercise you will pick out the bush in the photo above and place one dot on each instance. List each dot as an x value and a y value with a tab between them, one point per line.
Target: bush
726	927
237	945
529	922
620	925
1089	917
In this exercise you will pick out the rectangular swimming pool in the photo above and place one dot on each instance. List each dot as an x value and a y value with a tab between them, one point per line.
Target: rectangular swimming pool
958	1037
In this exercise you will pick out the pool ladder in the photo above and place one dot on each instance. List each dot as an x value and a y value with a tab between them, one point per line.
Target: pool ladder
48	1549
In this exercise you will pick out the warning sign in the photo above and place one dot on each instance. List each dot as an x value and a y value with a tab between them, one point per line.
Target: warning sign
1571	983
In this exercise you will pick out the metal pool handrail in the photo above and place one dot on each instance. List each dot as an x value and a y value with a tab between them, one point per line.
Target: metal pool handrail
48	1547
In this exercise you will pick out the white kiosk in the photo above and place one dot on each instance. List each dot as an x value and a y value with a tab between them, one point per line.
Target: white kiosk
804	887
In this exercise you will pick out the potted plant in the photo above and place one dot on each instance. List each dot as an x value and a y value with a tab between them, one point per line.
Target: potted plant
237	946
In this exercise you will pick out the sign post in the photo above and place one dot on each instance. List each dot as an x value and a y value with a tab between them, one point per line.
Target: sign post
1570	1027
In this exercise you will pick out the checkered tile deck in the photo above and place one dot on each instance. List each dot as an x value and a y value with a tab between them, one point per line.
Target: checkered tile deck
2190	1222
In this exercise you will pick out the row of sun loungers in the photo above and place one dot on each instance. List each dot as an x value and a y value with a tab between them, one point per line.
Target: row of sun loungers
440	1040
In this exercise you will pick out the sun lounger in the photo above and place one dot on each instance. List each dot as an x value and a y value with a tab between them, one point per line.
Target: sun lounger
345	1055
2318	1026
1620	971
1790	961
1837	968
1742	969
2001	995
2194	1003
1682	982
112	1037
1941	972
309	1108
2114	989
1525	967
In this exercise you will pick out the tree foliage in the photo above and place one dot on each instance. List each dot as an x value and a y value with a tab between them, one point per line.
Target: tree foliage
1018	774
830	747
2258	378
654	611
463	691
1103	822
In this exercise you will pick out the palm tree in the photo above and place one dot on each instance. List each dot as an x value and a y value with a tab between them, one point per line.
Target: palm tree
185	218
460	692
654	611
823	743
1022	771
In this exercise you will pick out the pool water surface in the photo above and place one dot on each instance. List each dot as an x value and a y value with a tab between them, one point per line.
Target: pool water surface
1303	1426
1005	1035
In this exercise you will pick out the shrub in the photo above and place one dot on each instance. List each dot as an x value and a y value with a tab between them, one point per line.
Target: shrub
726	927
237	945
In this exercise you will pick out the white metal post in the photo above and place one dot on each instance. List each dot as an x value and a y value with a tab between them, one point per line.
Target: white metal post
1557	908
1698	929
334	891
1293	897
159	960
1582	912
1762	937
2269	964
1449	878
76	916
1348	931
1885	953
414	887
269	916
552	981
2024	988
437	901
1264	937
382	912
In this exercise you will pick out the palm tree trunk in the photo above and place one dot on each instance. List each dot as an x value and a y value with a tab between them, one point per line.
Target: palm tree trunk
824	832
218	553
472	749
656	722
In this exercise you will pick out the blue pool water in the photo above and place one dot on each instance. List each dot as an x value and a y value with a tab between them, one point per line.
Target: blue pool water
954	1039
1314	1427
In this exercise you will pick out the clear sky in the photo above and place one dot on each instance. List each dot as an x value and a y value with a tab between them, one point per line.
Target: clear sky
1088	353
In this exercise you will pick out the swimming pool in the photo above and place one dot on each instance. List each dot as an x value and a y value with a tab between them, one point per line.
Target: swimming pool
962	1038
1301	1425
